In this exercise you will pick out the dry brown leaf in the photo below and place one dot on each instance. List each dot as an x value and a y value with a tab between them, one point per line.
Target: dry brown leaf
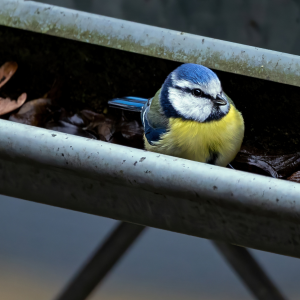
86	119
278	166
92	119
7	71
107	128
7	105
131	130
295	177
66	127
33	112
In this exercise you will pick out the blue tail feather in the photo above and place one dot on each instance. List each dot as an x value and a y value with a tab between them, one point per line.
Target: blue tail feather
128	103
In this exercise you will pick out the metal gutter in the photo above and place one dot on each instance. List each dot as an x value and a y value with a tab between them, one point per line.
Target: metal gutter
152	41
149	189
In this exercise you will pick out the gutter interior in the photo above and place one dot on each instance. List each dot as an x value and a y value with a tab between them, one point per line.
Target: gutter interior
91	75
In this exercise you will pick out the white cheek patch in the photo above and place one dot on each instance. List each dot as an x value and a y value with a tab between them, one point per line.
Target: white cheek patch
189	106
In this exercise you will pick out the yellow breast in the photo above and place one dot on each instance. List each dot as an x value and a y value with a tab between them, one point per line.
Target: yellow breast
196	141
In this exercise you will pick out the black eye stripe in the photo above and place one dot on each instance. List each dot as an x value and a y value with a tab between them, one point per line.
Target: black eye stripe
208	97
188	90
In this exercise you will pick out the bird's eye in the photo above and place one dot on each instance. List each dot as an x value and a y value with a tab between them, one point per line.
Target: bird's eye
197	92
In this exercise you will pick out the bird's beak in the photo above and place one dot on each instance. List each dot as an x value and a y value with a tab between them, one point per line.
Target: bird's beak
220	100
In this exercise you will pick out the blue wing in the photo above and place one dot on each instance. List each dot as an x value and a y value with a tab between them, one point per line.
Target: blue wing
152	134
140	105
128	103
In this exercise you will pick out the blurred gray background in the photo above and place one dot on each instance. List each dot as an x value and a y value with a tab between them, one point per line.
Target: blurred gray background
42	247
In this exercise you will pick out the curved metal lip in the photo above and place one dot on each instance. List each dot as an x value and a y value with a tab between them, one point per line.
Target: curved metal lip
149	189
151	41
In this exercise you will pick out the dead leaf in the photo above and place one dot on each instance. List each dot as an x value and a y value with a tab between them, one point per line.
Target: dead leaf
66	127
107	128
76	120
7	105
86	119
278	166
131	130
33	113
92	119
7	71
295	177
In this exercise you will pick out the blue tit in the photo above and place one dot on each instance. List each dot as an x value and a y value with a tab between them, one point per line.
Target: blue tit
190	117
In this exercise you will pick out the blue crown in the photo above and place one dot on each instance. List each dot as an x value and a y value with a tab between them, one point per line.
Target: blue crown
194	73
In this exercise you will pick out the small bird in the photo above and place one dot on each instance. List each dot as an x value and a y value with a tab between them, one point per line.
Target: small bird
190	117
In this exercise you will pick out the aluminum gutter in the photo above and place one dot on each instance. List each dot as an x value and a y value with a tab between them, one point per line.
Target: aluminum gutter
152	41
149	189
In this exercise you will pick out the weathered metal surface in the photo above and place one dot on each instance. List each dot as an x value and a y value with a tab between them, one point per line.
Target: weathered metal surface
149	40
149	189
